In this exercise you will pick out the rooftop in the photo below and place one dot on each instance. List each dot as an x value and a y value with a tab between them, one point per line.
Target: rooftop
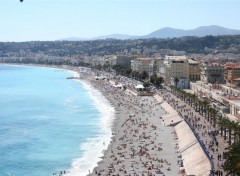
191	61
215	64
176	57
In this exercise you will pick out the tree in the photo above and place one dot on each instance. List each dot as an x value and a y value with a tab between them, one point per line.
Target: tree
99	67
106	66
205	106
153	78
159	81
144	75
232	163
128	71
135	74
214	117
193	98
221	124
176	80
146	84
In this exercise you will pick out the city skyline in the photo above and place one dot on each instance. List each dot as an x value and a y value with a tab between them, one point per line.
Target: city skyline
44	20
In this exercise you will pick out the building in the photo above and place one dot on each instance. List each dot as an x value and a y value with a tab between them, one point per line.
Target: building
88	60
160	68
177	67
225	99
113	60
124	60
194	70
212	73
232	72
236	82
143	64
235	108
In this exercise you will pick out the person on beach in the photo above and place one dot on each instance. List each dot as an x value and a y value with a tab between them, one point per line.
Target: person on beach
133	148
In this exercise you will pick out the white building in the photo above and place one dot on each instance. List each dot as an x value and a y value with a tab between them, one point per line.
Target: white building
143	64
177	67
235	108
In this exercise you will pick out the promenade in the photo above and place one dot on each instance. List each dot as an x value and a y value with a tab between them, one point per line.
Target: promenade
130	152
212	142
206	134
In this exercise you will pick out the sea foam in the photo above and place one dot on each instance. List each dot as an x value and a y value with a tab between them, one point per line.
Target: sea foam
93	148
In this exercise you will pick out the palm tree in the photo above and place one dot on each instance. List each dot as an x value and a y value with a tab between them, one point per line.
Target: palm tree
183	94
144	75
188	96
232	163
214	117
224	123
209	112
200	102
193	99
230	126
205	105
236	129
221	123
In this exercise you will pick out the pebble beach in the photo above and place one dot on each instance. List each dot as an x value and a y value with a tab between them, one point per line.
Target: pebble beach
140	144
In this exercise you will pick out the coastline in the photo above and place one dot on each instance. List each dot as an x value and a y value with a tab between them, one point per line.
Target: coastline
93	147
150	148
133	153
91	153
132	113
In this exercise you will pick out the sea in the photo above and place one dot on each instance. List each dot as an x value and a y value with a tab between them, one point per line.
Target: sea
50	124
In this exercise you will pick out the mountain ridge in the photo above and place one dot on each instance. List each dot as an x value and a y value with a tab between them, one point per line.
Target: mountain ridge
168	32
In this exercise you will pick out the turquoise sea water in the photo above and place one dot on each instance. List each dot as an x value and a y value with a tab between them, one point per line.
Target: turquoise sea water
49	123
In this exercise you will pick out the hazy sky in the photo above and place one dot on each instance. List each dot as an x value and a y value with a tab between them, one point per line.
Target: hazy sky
56	19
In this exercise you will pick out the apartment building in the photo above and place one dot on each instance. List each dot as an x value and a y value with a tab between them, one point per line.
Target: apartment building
177	67
124	60
194	70
232	72
212	73
235	108
143	64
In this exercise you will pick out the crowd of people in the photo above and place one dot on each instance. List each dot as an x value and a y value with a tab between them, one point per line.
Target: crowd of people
136	147
139	145
209	136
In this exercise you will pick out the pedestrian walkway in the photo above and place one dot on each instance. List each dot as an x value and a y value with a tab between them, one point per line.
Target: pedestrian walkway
209	136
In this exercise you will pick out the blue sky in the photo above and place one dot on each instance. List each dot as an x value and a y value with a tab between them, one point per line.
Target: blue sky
56	19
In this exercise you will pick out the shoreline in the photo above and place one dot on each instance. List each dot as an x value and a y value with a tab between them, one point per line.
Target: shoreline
158	159
100	99
91	157
184	154
142	113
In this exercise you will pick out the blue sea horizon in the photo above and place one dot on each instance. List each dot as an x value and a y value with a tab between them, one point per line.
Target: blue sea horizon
49	123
